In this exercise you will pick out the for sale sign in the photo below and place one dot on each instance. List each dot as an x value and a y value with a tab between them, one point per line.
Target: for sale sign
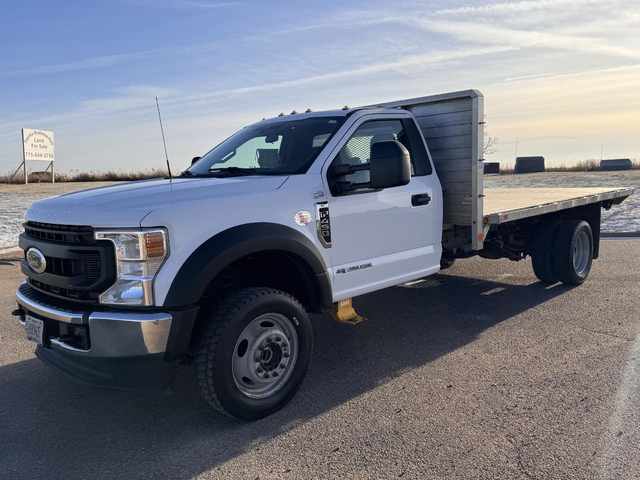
38	145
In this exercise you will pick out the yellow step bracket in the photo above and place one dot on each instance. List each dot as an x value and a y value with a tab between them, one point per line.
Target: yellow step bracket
346	313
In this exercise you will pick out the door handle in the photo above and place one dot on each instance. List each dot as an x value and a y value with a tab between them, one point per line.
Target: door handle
420	199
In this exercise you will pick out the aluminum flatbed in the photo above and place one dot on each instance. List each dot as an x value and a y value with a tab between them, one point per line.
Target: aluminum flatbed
453	126
508	204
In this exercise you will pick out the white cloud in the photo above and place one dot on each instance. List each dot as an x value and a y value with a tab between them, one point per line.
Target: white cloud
493	34
559	74
531	59
509	8
90	63
182	4
208	5
140	97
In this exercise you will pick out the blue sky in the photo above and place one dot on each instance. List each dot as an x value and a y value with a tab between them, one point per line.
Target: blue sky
562	75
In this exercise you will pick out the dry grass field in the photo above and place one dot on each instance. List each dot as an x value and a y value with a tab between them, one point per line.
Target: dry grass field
590	165
77	176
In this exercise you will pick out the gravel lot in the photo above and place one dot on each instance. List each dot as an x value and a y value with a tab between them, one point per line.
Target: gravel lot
478	372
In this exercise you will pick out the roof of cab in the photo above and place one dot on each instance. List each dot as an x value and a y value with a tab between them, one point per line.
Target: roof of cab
325	113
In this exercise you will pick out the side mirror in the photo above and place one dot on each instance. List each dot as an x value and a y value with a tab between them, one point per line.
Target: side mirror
195	159
389	165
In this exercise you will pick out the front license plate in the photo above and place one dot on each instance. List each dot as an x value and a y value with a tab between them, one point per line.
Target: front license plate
34	328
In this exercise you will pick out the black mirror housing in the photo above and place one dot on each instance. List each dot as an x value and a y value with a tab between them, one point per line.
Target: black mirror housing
389	165
195	159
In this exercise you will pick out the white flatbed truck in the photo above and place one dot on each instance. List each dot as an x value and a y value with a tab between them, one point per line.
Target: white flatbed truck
300	213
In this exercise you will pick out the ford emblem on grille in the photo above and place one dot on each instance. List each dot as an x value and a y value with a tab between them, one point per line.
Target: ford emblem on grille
36	260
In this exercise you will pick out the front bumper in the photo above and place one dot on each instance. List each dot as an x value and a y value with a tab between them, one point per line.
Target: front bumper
126	352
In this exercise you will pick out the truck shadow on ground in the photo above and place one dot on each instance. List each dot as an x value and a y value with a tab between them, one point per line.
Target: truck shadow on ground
10	261
47	424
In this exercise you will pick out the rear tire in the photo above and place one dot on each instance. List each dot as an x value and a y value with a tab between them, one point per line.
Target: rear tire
253	353
573	252
542	251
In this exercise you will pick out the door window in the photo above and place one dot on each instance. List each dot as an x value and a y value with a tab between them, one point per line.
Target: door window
357	150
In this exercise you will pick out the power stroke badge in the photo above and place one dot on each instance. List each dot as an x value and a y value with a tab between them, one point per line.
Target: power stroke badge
353	268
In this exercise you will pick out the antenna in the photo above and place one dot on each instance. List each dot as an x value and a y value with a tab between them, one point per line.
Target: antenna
163	141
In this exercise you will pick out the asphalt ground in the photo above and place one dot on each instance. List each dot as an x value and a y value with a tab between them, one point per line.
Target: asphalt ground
478	372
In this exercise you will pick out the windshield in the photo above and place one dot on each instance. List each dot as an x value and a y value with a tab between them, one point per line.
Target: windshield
275	148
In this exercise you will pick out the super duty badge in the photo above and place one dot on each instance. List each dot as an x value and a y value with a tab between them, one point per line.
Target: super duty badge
323	224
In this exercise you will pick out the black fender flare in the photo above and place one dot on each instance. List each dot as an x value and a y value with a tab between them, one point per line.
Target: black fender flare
224	248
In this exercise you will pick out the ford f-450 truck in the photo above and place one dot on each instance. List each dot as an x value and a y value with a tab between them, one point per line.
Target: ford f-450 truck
217	268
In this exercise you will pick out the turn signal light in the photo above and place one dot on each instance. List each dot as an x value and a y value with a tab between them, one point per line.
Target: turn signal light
154	243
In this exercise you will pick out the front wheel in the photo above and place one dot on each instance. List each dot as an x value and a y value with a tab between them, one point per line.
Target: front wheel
254	353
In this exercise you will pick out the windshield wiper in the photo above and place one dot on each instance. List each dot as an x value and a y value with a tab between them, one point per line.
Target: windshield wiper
218	172
233	171
229	171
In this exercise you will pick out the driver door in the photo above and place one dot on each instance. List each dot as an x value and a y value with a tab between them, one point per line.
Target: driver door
381	238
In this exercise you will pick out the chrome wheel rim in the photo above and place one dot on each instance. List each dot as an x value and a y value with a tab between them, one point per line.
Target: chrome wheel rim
265	355
581	253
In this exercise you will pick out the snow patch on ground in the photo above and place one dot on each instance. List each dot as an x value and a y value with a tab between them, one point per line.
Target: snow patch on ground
15	199
12	208
621	218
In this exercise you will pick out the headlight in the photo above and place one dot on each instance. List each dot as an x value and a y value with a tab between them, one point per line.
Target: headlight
139	256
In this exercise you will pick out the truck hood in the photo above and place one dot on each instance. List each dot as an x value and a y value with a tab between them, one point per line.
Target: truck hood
125	205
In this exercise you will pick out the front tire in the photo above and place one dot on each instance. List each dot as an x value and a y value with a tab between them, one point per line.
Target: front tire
573	252
253	353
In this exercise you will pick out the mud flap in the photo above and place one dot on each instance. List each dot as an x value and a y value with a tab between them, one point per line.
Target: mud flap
345	313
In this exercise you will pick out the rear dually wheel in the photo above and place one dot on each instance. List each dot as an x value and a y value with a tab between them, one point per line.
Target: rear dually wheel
573	252
542	251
